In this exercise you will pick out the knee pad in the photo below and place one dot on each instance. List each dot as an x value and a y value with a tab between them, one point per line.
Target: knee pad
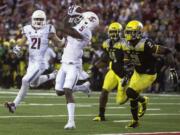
132	94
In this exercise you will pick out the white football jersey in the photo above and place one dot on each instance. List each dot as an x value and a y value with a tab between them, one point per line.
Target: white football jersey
73	50
38	41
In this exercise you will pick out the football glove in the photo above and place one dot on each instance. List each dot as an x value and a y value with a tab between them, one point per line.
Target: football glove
72	10
17	50
173	76
124	81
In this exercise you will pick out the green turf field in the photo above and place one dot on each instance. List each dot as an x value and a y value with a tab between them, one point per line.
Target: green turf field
43	113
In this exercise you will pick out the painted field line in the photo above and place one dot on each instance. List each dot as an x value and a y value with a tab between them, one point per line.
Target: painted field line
116	107
83	115
148	133
37	104
119	107
153	109
121	121
93	104
52	93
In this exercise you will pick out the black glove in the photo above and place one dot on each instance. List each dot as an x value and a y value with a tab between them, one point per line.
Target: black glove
173	76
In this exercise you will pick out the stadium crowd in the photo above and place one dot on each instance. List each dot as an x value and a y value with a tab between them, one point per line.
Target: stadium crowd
161	19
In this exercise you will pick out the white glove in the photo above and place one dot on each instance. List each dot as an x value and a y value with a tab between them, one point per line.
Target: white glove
17	50
72	10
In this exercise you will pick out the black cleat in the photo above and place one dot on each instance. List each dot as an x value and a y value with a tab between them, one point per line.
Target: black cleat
133	124
11	106
98	118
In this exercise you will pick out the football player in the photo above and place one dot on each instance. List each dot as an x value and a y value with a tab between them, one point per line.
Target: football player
78	37
141	52
38	35
114	55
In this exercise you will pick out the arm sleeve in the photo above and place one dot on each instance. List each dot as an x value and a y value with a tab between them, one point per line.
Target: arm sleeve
150	47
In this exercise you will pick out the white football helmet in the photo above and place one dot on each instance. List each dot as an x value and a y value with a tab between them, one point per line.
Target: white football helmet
38	19
90	19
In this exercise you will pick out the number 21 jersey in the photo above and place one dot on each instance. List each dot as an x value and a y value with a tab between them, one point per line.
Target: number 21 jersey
38	41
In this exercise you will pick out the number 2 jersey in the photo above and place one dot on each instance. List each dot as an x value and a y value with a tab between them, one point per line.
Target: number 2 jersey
38	41
141	55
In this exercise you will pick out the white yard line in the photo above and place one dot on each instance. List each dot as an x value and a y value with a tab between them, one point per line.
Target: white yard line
147	133
93	104
121	121
153	109
116	107
84	115
52	93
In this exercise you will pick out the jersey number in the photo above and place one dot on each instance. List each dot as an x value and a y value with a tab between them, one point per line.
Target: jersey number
35	43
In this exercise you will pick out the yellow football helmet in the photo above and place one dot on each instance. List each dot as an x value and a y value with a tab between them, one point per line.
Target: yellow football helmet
133	30
114	30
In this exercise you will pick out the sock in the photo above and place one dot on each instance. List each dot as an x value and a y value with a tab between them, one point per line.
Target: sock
101	111
134	109
71	110
21	94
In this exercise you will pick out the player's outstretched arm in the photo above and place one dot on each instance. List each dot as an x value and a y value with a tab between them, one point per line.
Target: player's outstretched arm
56	40
70	31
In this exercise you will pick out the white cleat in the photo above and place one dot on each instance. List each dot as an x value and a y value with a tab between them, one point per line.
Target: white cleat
70	125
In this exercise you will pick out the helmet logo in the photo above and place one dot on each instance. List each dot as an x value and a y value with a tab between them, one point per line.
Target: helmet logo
92	19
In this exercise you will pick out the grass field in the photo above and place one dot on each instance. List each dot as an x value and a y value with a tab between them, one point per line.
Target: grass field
43	113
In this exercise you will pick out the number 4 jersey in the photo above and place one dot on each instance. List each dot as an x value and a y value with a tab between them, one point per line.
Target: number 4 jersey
38	41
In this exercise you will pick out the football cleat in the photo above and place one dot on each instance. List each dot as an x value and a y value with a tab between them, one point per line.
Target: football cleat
99	118
70	125
143	107
11	106
132	124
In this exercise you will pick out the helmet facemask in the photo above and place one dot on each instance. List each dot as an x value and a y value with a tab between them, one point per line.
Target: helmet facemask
133	30
114	31
76	19
132	34
114	34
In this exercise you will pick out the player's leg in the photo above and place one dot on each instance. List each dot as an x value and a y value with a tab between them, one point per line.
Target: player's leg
60	79
44	78
121	97
72	73
138	83
110	82
147	81
32	73
83	84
